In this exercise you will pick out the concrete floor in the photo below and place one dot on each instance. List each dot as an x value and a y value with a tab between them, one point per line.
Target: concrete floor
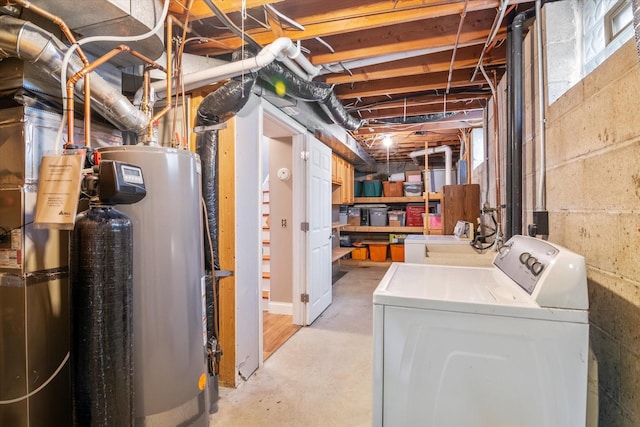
322	376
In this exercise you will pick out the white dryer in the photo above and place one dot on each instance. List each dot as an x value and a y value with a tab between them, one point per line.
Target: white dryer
483	346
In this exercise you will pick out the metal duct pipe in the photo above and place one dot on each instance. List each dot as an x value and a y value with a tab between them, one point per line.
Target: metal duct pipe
517	27
448	159
26	41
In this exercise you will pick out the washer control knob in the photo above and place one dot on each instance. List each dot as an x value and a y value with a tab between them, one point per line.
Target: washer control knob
530	261
524	256
537	268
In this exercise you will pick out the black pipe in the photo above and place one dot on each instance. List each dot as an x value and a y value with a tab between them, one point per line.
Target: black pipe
508	228
517	27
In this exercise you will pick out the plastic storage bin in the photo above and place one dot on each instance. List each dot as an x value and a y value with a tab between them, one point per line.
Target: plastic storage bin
353	216
412	189
372	188
378	217
378	251
435	221
396	218
397	253
414	215
357	189
392	189
359	254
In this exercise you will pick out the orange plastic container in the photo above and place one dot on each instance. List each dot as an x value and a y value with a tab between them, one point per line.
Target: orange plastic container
397	253
378	252
359	254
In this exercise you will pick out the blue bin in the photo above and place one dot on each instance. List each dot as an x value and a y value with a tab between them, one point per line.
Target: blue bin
372	188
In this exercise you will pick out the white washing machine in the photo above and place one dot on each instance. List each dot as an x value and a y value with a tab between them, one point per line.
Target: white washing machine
483	346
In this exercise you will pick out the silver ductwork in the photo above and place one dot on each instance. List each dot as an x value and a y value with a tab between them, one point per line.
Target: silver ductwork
119	18
26	41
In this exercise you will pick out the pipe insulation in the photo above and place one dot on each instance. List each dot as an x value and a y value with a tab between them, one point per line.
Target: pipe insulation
448	159
217	107
284	81
24	40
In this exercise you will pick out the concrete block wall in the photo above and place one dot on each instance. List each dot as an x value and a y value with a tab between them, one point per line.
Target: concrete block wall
593	199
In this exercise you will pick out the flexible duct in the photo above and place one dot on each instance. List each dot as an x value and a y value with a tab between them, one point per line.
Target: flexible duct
216	108
448	159
26	41
425	118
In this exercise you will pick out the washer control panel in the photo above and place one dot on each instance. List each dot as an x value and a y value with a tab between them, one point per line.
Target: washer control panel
553	276
524	260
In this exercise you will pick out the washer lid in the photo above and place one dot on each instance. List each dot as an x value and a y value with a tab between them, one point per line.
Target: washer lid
478	290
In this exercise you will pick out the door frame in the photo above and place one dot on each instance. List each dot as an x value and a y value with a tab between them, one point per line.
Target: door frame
298	176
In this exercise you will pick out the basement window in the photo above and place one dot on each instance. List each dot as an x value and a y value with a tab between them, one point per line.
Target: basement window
477	147
617	19
607	26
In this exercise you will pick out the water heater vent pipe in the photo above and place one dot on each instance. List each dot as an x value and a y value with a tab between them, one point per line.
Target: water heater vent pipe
448	159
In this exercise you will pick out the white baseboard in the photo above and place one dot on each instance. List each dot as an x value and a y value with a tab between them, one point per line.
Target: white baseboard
281	308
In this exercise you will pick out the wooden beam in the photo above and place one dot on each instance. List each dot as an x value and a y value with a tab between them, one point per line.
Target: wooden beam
227	252
416	110
340	27
200	10
466	57
435	34
381	103
433	81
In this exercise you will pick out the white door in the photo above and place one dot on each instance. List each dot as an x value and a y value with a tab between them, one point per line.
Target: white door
318	195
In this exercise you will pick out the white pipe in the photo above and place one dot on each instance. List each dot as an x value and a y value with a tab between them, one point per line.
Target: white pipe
358	63
311	69
448	159
541	199
266	56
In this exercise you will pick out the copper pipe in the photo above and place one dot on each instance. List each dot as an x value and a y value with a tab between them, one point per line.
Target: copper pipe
146	88
89	68
87	110
56	20
179	83
167	107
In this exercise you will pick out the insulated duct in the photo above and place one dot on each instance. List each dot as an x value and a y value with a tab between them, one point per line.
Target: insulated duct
426	118
287	82
217	107
28	42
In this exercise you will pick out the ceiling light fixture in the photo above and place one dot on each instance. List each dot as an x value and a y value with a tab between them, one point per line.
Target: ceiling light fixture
387	141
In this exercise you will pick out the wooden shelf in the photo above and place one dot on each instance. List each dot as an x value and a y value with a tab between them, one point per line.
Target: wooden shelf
418	199
435	197
370	229
366	263
337	253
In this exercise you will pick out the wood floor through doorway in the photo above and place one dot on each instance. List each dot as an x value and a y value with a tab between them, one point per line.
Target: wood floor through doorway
278	328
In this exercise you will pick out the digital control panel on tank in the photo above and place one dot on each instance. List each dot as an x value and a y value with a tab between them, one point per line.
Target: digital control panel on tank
120	183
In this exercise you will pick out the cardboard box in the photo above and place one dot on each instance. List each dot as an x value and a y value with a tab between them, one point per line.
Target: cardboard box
413	176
